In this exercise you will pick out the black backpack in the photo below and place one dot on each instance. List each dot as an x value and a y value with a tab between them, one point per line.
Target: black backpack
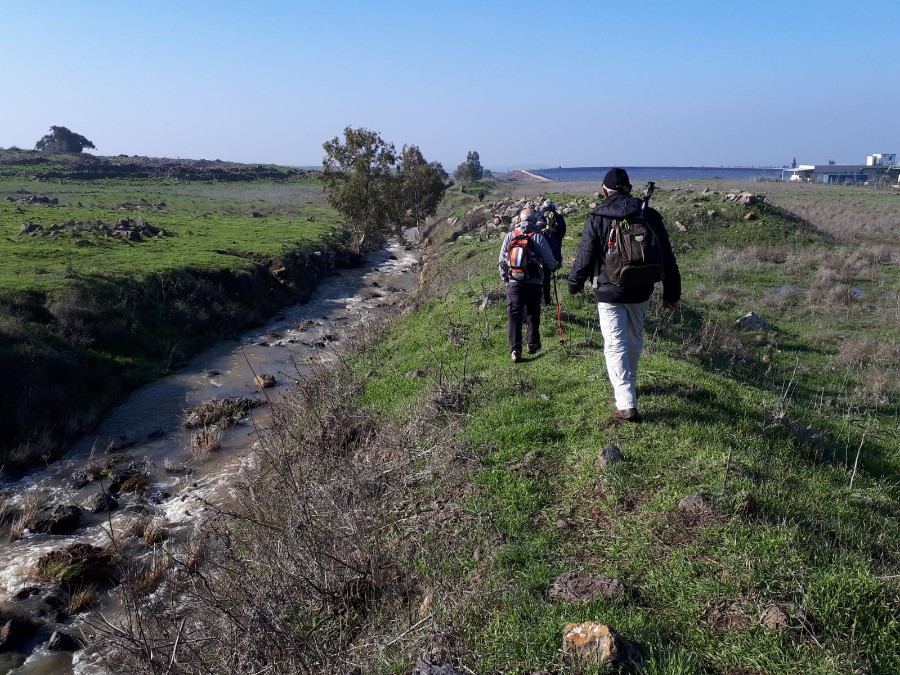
633	253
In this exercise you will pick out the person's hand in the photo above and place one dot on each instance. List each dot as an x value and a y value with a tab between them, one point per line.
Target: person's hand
672	305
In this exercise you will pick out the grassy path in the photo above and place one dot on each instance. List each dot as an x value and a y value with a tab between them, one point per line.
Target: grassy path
765	427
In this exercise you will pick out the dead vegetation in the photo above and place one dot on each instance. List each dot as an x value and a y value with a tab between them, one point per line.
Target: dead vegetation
312	568
222	412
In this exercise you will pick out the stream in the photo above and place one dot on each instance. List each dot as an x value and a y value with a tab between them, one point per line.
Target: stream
147	428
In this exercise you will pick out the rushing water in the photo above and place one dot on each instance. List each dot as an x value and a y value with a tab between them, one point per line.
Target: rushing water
149	424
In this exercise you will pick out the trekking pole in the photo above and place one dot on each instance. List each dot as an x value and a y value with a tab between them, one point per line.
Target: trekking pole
562	339
651	186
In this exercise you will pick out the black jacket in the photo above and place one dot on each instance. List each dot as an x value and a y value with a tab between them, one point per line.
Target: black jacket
559	232
592	247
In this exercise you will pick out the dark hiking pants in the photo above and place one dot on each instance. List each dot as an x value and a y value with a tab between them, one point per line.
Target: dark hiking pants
523	304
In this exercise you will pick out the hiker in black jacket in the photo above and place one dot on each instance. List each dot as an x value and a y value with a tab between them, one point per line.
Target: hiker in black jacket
622	308
553	227
523	296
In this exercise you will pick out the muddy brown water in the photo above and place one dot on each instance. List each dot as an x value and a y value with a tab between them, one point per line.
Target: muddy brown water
149	424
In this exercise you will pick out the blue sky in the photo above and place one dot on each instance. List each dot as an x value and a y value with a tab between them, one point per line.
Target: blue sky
526	84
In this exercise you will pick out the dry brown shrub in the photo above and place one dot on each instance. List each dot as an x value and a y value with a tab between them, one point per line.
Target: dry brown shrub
205	442
25	518
153	532
32	453
827	297
723	344
766	254
142	579
307	571
224	412
724	295
857	353
888	352
137	484
805	259
884	385
82	599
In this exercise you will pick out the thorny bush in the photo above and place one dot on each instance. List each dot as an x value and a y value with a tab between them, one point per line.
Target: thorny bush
308	570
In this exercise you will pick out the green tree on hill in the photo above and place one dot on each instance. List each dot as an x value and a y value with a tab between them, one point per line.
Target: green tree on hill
420	186
61	139
359	181
470	170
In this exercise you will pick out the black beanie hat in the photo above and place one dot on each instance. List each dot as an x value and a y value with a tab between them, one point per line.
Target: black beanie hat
617	179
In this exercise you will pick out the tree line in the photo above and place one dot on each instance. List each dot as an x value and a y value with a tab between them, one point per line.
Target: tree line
374	186
365	178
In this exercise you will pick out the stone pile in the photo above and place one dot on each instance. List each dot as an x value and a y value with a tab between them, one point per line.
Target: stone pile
745	198
32	200
126	229
487	220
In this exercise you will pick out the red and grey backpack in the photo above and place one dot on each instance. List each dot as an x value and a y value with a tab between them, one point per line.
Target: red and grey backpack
521	260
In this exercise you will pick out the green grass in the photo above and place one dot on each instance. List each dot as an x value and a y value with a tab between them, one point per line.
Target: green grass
202	220
771	441
86	317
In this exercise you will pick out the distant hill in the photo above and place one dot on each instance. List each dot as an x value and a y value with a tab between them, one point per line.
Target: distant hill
85	166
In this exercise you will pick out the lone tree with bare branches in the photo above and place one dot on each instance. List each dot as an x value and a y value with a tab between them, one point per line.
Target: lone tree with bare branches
61	139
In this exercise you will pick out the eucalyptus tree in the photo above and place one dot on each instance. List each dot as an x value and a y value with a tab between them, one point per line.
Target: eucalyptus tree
420	186
358	173
470	170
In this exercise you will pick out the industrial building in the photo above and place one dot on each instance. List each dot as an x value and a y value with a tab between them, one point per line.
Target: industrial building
879	169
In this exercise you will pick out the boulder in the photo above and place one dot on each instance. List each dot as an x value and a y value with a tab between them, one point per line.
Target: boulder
59	519
593	643
265	381
609	455
695	503
28	228
746	198
76	566
773	617
99	502
574	587
752	321
41	603
680	226
16	631
61	641
749	216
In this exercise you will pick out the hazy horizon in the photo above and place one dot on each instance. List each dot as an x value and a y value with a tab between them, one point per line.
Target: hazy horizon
526	84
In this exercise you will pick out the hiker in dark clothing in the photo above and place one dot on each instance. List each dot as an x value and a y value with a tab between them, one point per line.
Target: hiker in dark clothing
523	296
622	308
553	227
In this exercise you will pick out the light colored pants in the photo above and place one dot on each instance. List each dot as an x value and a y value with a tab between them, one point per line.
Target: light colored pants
622	326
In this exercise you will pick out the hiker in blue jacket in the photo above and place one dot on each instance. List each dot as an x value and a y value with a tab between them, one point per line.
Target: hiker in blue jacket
523	286
553	227
622	308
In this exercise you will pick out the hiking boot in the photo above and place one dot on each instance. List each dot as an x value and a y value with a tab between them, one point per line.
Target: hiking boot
515	356
534	349
627	415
